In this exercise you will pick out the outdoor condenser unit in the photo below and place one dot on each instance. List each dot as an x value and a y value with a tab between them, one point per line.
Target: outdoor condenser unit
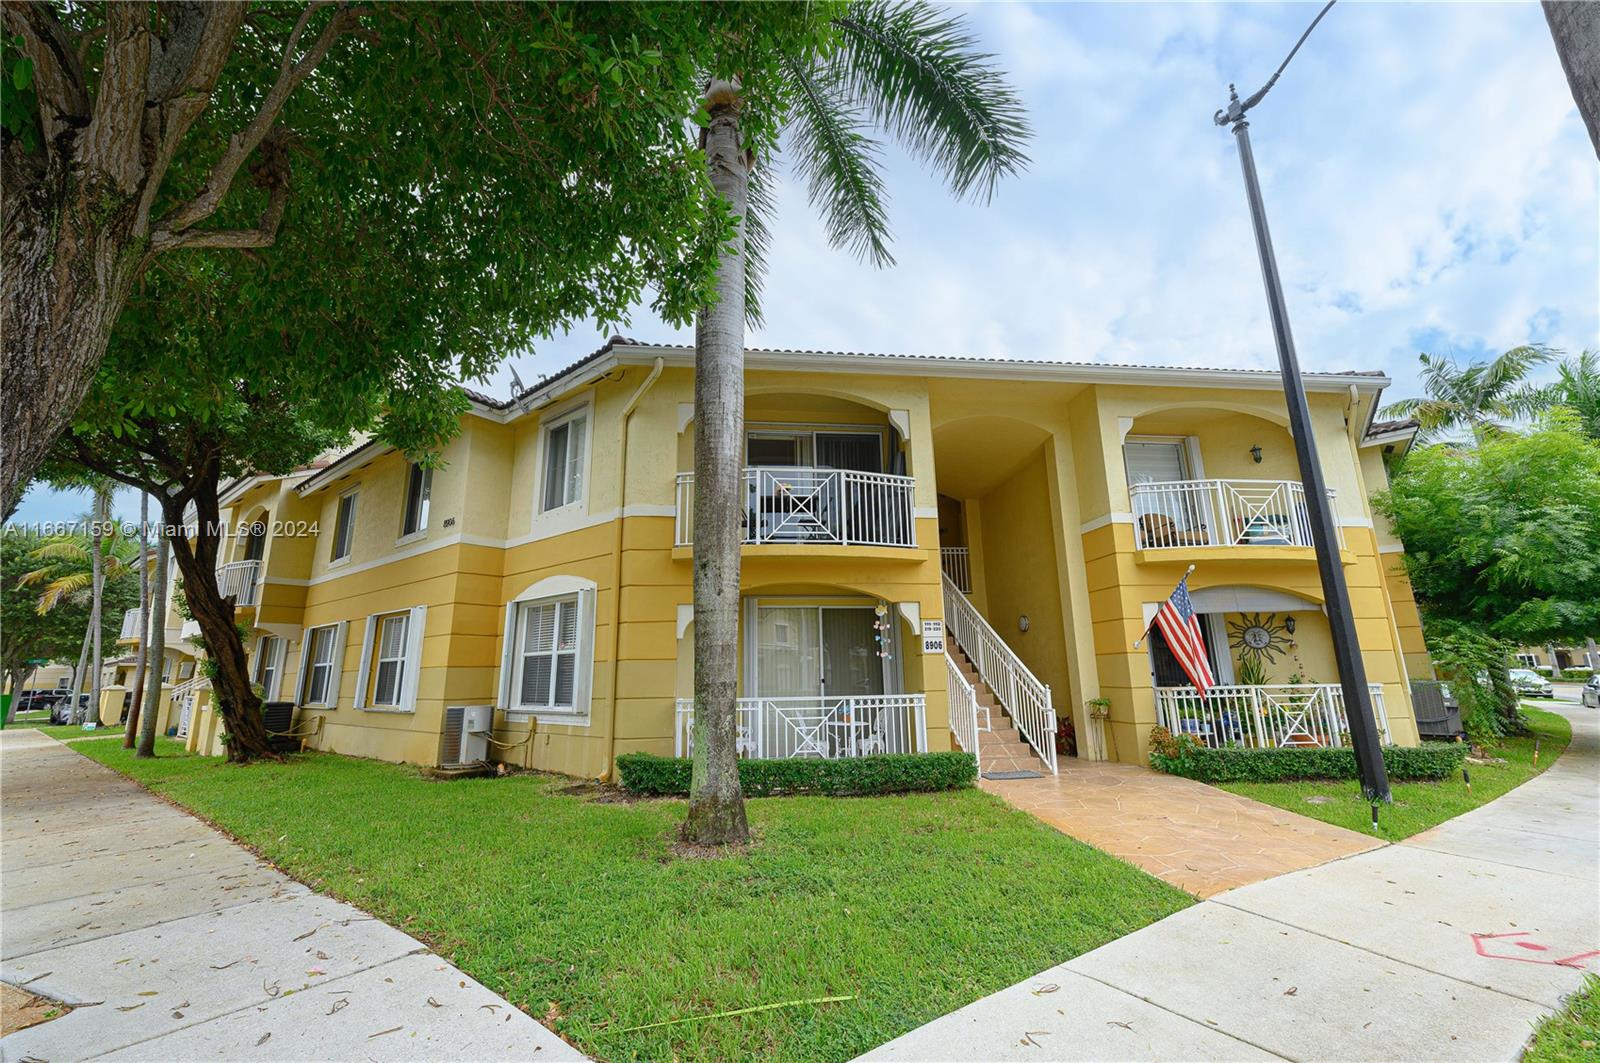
465	739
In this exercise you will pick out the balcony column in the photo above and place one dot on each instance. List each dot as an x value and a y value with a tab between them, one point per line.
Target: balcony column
1083	680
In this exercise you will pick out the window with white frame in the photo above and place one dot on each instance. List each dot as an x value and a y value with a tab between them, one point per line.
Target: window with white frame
344	525
266	663
320	647
547	663
1528	660
389	673
419	486
547	655
565	441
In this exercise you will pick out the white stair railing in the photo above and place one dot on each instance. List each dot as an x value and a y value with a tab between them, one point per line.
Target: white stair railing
1019	690
958	566
963	707
182	699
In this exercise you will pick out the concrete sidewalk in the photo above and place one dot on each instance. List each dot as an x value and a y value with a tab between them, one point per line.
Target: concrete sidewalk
1445	946
174	943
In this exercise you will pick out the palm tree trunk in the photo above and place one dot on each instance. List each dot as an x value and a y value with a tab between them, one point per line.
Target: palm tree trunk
74	714
1575	25
157	649
716	800
97	568
144	620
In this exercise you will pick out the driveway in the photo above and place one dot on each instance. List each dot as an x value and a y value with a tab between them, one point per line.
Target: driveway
172	943
1450	945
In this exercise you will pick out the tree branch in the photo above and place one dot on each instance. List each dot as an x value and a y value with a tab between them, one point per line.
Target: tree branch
58	80
262	235
241	144
111	143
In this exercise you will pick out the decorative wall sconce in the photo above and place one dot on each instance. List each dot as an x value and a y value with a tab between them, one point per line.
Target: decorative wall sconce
1255	452
1288	624
1022	622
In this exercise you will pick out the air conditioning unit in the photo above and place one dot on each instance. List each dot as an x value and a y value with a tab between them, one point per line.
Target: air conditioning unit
464	740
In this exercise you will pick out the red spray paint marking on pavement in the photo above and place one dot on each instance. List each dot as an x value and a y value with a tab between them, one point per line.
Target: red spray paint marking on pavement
1478	942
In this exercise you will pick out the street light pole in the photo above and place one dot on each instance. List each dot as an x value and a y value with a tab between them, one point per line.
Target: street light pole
1336	596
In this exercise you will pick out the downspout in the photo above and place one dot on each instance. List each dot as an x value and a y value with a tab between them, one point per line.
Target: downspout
616	561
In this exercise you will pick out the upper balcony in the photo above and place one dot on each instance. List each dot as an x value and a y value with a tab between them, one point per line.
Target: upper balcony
815	506
1221	513
241	581
130	626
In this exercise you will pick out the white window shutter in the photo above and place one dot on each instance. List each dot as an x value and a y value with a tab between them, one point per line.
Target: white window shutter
280	654
415	626
306	638
341	635
366	663
583	682
508	654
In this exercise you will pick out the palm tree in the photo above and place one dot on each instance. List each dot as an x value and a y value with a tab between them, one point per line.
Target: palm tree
144	622
1577	386
157	651
1480	398
915	73
1575	27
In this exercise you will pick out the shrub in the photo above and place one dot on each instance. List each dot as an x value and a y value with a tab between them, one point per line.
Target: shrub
1187	757
896	773
1576	674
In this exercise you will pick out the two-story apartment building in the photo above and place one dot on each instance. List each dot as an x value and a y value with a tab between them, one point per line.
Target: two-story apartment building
1036	511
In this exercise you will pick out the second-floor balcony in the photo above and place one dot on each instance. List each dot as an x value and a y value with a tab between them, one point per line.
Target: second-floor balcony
1199	513
815	506
130	624
241	581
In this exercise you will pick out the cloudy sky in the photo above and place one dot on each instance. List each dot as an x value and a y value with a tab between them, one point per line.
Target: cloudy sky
1428	180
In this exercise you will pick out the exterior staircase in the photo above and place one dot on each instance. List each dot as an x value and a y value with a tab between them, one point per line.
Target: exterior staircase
1001	746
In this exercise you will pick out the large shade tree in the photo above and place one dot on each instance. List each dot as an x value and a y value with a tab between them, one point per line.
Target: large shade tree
536	150
1503	539
905	69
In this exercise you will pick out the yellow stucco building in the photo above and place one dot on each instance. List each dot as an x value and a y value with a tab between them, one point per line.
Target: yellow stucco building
1039	511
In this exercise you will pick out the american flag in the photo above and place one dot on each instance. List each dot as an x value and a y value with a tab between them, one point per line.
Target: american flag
1181	627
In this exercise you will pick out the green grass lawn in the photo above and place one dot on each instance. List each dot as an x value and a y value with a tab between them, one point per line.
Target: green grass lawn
574	906
1420	805
1572	1035
62	731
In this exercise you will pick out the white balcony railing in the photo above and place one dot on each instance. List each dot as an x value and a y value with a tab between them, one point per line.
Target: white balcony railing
1025	698
964	710
239	581
779	728
1221	513
130	624
796	505
1264	717
958	566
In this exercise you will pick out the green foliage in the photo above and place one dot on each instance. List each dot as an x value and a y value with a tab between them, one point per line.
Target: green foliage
577	906
1577	387
19	102
1250	672
1464	659
645	773
1504	537
57	634
1574	1033
1184	756
1576	674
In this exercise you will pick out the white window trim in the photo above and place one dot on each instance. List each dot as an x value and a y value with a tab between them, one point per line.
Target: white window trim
280	647
405	503
553	587
354	494
582	408
416	628
331	695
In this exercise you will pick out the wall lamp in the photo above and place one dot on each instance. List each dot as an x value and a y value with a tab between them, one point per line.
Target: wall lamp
1288	624
1255	452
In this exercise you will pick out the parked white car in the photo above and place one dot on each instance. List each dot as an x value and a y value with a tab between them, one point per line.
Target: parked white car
1531	683
1591	692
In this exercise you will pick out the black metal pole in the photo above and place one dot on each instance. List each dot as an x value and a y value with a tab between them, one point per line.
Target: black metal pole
1346	650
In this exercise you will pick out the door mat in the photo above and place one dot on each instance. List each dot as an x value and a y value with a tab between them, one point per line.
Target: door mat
1012	775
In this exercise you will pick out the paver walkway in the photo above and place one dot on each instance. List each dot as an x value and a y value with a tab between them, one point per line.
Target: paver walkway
177	944
1450	945
1195	836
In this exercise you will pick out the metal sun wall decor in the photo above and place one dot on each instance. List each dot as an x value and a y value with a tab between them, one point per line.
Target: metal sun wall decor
1259	637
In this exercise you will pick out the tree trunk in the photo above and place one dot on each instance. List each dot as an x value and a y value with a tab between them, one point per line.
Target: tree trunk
97	569
1591	653
144	621
1575	25
1505	695
157	650
230	679
716	800
74	713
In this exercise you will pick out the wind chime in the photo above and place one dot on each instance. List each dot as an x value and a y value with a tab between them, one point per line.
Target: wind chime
880	631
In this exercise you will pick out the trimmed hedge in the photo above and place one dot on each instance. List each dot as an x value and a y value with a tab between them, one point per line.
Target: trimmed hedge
1576	674
1184	756
897	773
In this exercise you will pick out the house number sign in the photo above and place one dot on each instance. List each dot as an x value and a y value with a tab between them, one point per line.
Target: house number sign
933	636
